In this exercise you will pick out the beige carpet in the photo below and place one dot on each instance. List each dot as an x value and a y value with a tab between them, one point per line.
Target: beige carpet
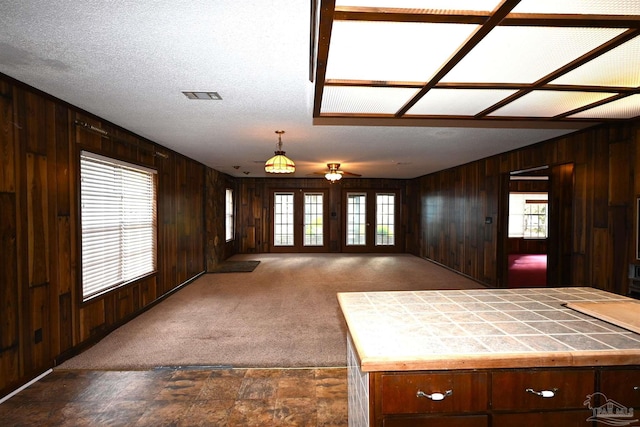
283	314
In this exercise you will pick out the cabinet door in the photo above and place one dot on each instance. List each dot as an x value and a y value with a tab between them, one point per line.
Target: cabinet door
429	393
523	390
621	386
451	421
543	419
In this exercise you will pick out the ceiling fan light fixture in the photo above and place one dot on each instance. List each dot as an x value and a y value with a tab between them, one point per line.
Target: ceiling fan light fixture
334	174
279	163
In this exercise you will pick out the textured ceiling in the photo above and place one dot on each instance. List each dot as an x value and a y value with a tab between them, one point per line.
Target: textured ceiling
129	61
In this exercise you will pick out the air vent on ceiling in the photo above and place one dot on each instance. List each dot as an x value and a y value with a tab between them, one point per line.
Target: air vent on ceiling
215	96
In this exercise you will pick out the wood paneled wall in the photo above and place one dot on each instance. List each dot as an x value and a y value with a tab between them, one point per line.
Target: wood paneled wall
254	210
459	208
42	317
217	248
452	217
455	207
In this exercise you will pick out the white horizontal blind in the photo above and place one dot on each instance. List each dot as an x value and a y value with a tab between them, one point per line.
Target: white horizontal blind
118	214
229	222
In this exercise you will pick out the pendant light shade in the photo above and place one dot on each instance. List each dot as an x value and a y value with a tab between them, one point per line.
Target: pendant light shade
334	174
279	163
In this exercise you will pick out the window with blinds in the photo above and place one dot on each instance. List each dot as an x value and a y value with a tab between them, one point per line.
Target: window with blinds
118	217
228	215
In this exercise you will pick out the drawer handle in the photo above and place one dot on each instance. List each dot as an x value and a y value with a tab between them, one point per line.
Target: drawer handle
434	396
543	393
636	388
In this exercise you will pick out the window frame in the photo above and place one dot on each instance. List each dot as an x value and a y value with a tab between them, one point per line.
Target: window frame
321	214
299	196
389	238
370	245
360	233
517	218
291	237
120	281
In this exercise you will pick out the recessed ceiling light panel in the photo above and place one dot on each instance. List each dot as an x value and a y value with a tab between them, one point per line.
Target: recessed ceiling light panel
526	54
547	103
586	7
390	51
529	60
618	67
457	102
624	108
371	100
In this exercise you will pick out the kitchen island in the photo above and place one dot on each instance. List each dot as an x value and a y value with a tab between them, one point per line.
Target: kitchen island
482	357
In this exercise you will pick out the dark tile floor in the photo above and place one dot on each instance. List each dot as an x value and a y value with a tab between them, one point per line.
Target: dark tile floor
183	397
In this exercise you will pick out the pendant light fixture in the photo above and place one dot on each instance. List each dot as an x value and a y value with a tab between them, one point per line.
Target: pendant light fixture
279	163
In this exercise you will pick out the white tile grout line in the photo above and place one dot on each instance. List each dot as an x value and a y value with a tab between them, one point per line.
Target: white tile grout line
19	389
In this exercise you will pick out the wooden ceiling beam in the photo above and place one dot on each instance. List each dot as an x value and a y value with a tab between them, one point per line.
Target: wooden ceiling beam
480	85
325	25
479	18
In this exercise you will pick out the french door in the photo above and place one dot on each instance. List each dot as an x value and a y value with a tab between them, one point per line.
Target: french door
300	221
371	221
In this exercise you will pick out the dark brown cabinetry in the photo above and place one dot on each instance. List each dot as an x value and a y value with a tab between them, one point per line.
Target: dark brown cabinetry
543	419
409	393
499	397
521	390
621	385
559	395
440	421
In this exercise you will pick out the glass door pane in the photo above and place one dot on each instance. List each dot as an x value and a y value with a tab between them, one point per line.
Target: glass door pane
313	215
385	219
356	219
283	219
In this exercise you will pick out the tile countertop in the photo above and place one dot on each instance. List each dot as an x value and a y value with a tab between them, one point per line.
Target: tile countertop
483	328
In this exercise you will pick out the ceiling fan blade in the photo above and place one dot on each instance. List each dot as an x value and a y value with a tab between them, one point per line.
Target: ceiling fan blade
344	173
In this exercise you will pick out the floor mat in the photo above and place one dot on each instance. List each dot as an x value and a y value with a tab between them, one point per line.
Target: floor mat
235	267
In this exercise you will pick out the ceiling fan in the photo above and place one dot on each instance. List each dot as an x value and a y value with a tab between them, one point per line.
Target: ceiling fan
334	173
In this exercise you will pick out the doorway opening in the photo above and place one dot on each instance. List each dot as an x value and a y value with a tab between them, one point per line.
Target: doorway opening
371	221
535	249
528	231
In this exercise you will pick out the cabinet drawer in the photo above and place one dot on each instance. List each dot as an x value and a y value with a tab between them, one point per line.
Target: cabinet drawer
543	419
407	393
621	385
449	421
516	390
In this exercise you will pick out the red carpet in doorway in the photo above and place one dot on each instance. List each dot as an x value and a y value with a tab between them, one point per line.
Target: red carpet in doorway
527	270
